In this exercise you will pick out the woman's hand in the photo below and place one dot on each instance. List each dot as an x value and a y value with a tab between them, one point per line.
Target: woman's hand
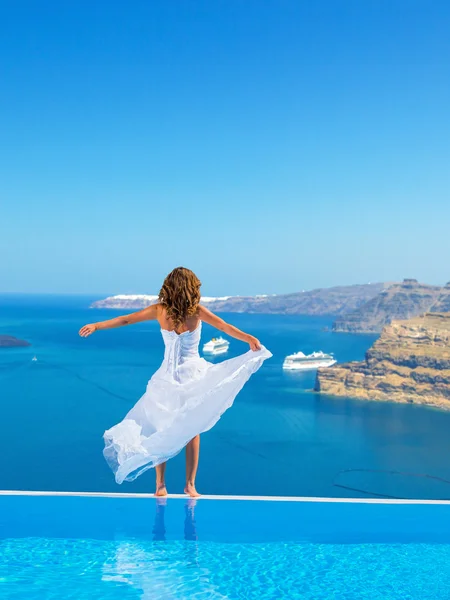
88	330
254	343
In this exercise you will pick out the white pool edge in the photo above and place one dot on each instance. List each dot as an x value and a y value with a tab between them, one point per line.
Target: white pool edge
221	497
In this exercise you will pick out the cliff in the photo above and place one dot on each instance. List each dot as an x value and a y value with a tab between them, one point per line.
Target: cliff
443	302
8	341
400	301
410	362
322	301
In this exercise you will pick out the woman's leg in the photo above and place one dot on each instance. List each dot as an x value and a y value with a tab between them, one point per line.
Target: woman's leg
161	480
192	454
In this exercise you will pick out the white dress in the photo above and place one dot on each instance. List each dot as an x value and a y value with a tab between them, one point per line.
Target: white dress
186	396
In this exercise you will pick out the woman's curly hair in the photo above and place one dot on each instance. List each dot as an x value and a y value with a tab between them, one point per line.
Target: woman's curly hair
180	295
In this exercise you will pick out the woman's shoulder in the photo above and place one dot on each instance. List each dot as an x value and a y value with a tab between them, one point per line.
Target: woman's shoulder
202	311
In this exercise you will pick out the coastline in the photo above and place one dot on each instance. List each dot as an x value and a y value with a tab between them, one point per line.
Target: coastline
409	363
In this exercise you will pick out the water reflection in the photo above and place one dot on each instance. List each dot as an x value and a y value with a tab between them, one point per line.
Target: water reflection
159	526
190	528
173	569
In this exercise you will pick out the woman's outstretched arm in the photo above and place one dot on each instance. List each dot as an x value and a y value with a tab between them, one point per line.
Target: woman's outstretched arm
147	314
208	317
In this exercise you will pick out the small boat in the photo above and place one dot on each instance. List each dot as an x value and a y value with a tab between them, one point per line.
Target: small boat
303	362
216	346
34	359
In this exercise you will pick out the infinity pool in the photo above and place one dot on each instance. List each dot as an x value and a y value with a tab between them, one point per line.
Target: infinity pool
54	547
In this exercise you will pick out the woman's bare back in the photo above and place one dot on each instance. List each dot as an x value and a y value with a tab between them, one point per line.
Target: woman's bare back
190	323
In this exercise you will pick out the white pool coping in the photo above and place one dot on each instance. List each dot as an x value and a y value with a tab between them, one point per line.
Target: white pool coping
220	497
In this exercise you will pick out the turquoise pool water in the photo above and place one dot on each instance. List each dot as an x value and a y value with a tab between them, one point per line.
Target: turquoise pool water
127	548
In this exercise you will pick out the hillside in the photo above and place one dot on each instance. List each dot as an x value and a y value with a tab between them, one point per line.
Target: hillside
323	301
443	302
400	301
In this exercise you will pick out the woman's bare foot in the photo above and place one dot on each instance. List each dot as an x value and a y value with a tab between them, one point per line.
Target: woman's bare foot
161	490
191	491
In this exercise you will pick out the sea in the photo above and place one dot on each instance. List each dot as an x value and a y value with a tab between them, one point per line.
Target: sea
279	438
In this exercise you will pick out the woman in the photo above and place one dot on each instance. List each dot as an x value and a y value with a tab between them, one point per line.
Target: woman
187	394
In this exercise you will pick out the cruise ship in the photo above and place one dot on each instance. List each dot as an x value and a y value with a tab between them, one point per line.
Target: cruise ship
216	346
302	362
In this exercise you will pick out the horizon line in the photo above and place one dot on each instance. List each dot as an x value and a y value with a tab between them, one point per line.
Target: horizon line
105	295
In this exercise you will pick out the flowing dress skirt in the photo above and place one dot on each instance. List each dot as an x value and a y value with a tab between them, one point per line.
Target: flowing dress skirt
178	404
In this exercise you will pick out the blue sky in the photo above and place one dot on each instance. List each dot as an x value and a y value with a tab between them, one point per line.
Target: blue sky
271	146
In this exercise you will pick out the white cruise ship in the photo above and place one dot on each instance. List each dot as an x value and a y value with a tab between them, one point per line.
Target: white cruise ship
216	346
302	362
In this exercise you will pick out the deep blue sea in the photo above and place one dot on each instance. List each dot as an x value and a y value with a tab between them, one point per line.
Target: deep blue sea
278	438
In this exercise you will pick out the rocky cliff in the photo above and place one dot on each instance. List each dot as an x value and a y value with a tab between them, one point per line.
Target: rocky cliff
400	301
323	301
443	302
410	362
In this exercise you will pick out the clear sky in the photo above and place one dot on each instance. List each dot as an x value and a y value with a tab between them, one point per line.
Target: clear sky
269	145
